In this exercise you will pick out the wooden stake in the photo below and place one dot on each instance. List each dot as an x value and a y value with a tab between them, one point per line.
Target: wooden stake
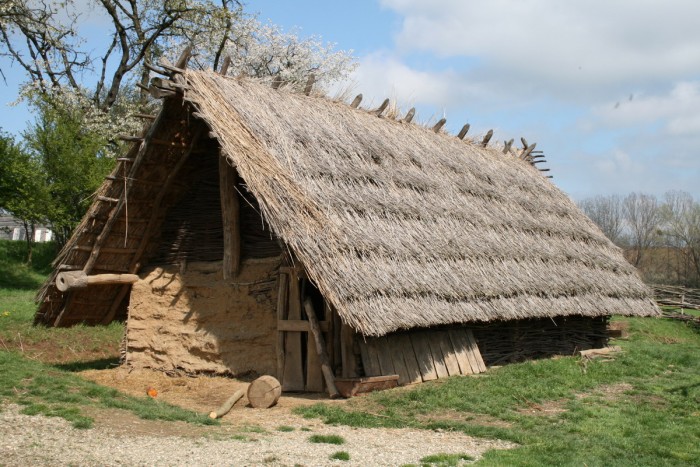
230	215
382	108
508	144
227	406
309	84
526	153
225	65
183	58
463	132
321	349
409	116
487	138
438	126
356	101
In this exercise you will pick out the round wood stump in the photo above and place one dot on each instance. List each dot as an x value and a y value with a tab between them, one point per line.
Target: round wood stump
264	392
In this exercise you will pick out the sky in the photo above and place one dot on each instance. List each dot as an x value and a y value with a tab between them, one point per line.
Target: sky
610	91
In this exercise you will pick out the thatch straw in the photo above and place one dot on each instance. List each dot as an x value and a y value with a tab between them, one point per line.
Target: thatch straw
401	227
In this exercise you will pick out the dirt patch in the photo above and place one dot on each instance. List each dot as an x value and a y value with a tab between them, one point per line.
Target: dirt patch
544	409
64	346
607	392
464	417
203	394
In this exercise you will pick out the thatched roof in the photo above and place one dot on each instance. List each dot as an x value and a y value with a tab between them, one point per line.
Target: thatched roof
402	227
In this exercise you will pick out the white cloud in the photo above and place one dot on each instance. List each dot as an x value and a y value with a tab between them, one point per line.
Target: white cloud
570	45
677	111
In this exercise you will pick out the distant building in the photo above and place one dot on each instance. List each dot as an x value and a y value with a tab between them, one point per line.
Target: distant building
13	229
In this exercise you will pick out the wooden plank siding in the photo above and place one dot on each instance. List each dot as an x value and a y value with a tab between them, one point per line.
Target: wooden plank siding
422	355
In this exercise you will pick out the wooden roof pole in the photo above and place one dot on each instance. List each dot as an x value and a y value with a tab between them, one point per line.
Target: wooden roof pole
231	218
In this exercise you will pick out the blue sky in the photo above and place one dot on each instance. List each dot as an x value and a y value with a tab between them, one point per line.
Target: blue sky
610	91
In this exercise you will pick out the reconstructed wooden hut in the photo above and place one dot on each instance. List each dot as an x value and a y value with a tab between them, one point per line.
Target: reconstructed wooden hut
245	211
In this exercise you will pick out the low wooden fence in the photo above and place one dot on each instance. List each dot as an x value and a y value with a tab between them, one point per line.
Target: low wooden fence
677	296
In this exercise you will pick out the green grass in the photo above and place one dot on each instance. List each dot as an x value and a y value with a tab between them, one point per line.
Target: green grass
45	389
340	456
285	428
643	408
15	273
37	363
445	460
327	439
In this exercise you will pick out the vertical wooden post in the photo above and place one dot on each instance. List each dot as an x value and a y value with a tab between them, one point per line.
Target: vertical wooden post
281	315
347	355
330	338
230	215
293	379
321	349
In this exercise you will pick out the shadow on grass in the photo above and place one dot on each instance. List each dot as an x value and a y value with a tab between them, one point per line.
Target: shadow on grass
100	364
19	276
14	271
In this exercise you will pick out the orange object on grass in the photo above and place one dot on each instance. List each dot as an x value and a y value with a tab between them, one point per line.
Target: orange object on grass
153	392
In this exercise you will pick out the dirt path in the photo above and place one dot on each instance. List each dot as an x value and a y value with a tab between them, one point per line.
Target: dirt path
247	436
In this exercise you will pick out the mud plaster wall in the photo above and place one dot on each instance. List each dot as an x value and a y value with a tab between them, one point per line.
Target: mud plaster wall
193	320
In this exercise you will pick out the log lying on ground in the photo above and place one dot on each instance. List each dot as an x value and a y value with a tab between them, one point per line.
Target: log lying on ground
227	406
595	353
69	280
264	392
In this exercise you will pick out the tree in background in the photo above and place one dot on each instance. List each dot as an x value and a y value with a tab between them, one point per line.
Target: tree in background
607	213
642	216
23	192
73	160
85	96
661	238
681	220
44	38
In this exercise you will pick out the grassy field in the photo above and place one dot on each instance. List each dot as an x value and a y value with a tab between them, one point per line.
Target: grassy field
38	364
641	407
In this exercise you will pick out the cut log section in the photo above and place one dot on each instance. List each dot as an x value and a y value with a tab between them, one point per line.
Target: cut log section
69	280
227	406
264	392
